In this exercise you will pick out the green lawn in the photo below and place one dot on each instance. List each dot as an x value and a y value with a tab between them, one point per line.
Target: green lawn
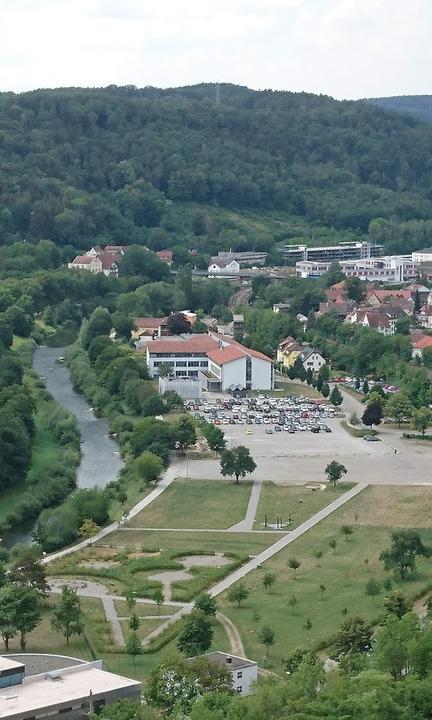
290	388
142	609
343	572
196	504
292	500
241	544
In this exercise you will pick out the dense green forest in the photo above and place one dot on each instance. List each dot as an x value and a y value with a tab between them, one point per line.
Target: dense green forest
177	168
420	106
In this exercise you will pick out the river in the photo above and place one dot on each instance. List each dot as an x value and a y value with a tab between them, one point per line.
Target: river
100	458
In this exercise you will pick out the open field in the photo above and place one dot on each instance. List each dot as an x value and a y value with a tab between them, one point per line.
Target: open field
293	500
142	609
196	504
343	573
292	388
242	544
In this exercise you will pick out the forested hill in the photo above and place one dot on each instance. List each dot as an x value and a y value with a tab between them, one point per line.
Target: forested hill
420	106
80	166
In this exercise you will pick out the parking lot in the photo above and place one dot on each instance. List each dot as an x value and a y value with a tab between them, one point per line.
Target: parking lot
300	456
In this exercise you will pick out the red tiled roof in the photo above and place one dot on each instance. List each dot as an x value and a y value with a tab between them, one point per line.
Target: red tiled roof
382	294
226	355
425	342
194	343
149	322
249	351
108	260
84	259
165	255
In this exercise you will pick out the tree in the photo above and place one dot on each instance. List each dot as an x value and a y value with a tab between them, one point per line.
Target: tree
397	604
266	636
399	407
324	373
322	588
130	598
196	635
99	323
309	378
67	614
421	419
372	415
336	396
238	593
206	603
333	543
133	647
334	471
88	528
26	568
214	436
325	390
159	599
134	622
184	432
392	644
333	275
317	555
373	588
355	289
8	628
365	387
417	302
347	531
294	564
237	462
164	370
177	324
148	466
354	636
406	546
268	581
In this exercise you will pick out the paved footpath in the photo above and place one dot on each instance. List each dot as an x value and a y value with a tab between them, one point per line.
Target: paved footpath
176	469
246	525
266	554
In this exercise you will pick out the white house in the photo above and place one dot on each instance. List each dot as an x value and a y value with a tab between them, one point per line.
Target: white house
220	266
221	363
244	672
312	359
91	263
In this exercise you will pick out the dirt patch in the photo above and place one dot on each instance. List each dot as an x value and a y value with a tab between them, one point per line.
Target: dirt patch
216	560
136	555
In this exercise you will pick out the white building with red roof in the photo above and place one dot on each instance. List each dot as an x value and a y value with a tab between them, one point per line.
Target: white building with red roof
221	363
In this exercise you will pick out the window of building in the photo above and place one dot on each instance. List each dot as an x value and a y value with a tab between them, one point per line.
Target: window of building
239	674
193	373
193	364
239	689
181	363
248	368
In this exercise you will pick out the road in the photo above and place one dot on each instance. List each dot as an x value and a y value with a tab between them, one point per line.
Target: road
241	297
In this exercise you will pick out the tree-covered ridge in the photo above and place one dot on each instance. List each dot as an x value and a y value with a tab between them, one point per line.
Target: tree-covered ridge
419	106
111	165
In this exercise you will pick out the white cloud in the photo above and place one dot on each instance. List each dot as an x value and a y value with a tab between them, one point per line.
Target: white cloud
346	48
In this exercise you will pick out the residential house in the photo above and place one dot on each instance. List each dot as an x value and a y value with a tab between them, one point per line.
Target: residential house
220	267
149	326
312	359
166	256
283	307
376	297
341	308
382	319
90	263
336	293
288	351
98	259
420	345
244	672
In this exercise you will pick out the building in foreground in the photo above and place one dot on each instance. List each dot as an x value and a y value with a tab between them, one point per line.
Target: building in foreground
219	362
71	693
244	672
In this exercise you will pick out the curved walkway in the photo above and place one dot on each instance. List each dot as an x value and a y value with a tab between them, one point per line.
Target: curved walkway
237	647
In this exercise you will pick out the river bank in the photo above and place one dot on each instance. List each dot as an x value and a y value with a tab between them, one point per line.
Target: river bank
100	461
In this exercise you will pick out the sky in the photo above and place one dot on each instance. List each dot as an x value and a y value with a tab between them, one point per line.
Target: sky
343	48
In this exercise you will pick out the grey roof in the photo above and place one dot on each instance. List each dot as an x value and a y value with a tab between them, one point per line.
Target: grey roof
307	352
230	661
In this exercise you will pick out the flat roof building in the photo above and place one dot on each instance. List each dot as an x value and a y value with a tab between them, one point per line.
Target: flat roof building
71	692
